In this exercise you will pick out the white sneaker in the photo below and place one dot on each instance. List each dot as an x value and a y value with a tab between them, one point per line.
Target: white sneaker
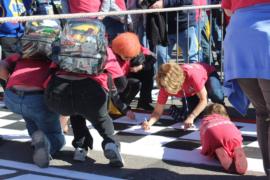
41	156
80	154
112	153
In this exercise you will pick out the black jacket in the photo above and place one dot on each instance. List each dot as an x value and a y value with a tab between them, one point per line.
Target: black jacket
156	31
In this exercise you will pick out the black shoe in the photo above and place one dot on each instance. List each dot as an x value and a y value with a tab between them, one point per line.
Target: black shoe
145	106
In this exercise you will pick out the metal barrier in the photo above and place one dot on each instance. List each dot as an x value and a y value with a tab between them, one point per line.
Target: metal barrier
206	9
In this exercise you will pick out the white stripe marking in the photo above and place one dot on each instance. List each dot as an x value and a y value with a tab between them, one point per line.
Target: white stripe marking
54	171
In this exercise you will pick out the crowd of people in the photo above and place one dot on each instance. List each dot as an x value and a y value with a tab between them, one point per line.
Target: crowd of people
52	70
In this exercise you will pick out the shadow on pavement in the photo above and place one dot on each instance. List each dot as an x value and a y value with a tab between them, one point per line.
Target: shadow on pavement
164	174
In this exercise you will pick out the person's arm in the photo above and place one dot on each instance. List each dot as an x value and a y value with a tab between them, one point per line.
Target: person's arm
4	74
149	62
8	64
202	94
158	111
120	83
121	106
136	64
144	60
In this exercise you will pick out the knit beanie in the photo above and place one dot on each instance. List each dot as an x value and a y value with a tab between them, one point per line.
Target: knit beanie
126	44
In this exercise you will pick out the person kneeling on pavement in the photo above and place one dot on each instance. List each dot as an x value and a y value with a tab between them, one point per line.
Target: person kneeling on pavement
137	63
79	85
25	73
186	80
221	138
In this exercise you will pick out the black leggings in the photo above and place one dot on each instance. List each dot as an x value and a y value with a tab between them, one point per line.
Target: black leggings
146	77
132	88
82	136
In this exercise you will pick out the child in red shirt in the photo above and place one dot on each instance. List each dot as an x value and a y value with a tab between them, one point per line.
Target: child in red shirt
221	138
197	80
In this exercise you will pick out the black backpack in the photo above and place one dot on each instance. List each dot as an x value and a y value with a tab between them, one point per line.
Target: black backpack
38	38
81	47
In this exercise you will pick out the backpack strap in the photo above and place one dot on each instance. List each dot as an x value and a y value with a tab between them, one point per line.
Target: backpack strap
110	83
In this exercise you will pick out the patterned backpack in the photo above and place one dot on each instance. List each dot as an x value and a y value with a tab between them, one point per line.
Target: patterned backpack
38	38
81	47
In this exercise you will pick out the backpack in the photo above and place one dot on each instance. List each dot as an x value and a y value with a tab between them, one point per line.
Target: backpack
38	38
81	47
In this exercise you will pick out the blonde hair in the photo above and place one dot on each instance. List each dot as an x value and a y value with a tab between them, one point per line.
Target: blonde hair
171	77
216	108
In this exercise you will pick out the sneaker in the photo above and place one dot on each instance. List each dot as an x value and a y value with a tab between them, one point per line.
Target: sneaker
224	159
112	153
80	154
145	106
41	156
240	160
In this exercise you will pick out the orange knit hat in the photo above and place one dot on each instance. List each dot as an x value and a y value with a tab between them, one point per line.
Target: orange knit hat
126	44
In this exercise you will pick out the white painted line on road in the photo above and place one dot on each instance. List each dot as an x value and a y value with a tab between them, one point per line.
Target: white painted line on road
54	171
34	177
6	171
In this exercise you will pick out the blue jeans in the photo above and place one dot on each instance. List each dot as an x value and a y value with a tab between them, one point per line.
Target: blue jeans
201	31
162	55
190	53
214	92
37	116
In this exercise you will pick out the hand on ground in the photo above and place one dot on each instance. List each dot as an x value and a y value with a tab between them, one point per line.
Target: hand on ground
131	115
188	123
146	125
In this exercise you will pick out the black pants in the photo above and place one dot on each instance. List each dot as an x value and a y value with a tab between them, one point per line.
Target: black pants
82	97
82	136
133	87
146	78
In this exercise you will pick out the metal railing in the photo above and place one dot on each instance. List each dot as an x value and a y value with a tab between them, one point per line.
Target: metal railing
204	8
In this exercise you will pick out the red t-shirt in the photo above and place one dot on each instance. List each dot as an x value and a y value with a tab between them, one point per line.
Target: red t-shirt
196	75
81	6
111	66
27	72
121	4
233	5
198	11
218	131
